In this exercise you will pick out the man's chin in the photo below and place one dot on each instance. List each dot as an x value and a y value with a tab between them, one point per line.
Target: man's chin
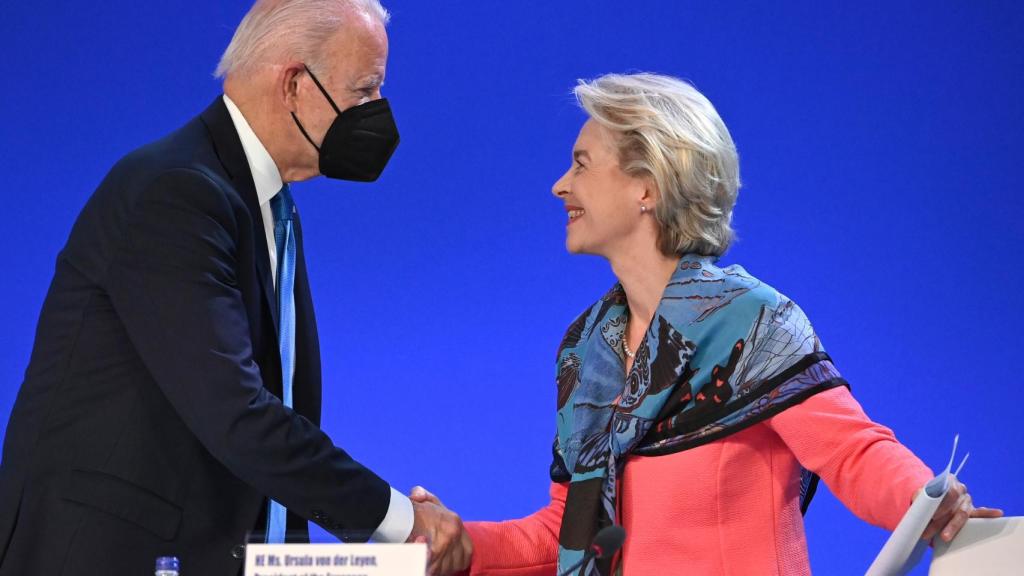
301	174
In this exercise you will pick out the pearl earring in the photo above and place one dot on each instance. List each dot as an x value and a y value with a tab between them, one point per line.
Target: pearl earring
643	208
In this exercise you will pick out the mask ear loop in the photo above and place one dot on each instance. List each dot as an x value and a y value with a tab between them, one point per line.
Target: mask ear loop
303	130
322	90
329	100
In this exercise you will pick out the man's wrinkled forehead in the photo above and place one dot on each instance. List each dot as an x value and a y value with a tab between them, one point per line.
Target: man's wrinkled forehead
359	50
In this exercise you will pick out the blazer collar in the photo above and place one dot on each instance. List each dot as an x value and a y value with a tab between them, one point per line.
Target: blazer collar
264	170
229	150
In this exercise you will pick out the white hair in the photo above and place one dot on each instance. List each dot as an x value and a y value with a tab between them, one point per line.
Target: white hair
668	131
276	30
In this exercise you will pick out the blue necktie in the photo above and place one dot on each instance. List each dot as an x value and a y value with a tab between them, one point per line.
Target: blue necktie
283	208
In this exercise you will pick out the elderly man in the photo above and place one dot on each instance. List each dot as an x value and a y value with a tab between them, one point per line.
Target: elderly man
172	401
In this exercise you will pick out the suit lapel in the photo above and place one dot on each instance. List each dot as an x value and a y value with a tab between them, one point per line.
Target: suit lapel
306	385
232	156
307	345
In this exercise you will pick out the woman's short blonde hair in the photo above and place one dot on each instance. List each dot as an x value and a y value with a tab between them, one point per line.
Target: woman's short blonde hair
668	131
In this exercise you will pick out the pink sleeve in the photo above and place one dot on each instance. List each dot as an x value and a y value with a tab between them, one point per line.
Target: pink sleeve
863	464
524	547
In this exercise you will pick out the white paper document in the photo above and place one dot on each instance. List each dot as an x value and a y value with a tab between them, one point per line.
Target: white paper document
905	547
336	560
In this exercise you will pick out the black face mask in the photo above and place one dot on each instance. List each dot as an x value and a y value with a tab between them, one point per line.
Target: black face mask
359	142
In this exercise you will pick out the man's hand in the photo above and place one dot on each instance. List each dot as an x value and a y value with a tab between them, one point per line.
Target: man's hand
953	512
441	529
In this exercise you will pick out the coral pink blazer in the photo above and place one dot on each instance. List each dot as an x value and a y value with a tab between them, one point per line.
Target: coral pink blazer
740	511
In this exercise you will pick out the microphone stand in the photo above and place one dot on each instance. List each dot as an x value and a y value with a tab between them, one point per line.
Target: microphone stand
607	542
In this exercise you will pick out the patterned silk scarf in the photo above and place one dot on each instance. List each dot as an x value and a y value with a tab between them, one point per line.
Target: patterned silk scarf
723	352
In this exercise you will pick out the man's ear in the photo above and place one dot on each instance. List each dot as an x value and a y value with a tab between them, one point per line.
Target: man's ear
288	84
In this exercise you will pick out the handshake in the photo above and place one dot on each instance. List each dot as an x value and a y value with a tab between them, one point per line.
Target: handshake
450	548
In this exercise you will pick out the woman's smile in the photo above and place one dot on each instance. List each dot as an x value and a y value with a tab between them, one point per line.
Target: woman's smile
575	212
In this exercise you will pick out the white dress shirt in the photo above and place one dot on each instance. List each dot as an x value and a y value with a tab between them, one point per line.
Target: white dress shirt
397	523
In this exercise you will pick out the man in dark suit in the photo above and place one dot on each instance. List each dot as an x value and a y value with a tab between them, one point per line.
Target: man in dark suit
172	400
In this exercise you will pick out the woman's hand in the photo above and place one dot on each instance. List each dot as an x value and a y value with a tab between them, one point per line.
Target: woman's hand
953	512
462	554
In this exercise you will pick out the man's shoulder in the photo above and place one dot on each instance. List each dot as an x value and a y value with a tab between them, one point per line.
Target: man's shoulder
181	168
189	148
176	174
186	160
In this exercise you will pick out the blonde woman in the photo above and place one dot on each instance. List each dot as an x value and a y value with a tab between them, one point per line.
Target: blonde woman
696	405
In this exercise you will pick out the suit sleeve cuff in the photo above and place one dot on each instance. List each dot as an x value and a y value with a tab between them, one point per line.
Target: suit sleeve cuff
397	524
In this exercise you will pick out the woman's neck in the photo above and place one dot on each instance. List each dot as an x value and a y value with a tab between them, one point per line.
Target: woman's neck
643	275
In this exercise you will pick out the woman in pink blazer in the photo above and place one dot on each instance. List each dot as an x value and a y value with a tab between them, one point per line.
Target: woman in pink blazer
696	406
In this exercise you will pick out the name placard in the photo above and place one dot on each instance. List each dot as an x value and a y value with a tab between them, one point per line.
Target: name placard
336	560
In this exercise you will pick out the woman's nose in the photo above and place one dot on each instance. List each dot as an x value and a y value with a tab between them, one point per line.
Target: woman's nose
561	187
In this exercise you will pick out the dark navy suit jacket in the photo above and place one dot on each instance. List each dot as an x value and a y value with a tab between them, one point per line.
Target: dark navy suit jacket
148	422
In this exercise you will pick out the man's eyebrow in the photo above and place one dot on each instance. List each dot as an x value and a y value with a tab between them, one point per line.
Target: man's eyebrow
369	83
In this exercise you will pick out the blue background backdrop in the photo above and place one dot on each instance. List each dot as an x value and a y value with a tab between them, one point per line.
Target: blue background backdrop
880	158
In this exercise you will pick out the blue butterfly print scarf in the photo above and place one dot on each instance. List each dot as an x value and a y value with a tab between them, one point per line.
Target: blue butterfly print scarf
723	351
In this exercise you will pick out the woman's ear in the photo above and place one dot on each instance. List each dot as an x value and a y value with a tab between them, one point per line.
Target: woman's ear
650	194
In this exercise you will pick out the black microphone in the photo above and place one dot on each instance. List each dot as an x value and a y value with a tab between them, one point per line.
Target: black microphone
607	542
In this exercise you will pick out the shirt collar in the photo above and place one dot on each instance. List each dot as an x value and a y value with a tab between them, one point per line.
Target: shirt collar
265	174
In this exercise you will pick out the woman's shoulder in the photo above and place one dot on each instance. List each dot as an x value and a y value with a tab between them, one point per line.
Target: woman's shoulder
701	290
738	279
